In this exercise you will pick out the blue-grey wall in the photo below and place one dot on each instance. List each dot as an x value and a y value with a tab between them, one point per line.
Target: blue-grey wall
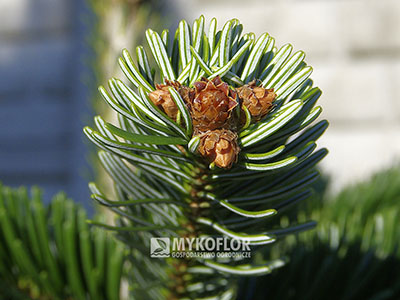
43	102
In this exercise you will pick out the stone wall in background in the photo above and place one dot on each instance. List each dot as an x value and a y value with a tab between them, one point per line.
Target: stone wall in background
354	47
41	108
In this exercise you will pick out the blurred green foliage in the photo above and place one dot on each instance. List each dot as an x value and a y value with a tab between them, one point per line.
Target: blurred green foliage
50	252
116	24
353	253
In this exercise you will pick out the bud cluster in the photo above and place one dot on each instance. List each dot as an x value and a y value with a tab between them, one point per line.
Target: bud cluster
215	109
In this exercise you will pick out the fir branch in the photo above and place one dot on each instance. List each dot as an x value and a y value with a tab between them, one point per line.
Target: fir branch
165	170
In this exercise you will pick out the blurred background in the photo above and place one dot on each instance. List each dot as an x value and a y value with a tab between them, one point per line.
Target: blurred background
53	54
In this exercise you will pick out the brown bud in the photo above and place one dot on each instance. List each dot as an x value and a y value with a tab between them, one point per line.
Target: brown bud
219	146
212	104
162	98
257	99
187	94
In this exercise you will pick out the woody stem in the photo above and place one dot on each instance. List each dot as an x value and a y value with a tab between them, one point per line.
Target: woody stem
179	277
